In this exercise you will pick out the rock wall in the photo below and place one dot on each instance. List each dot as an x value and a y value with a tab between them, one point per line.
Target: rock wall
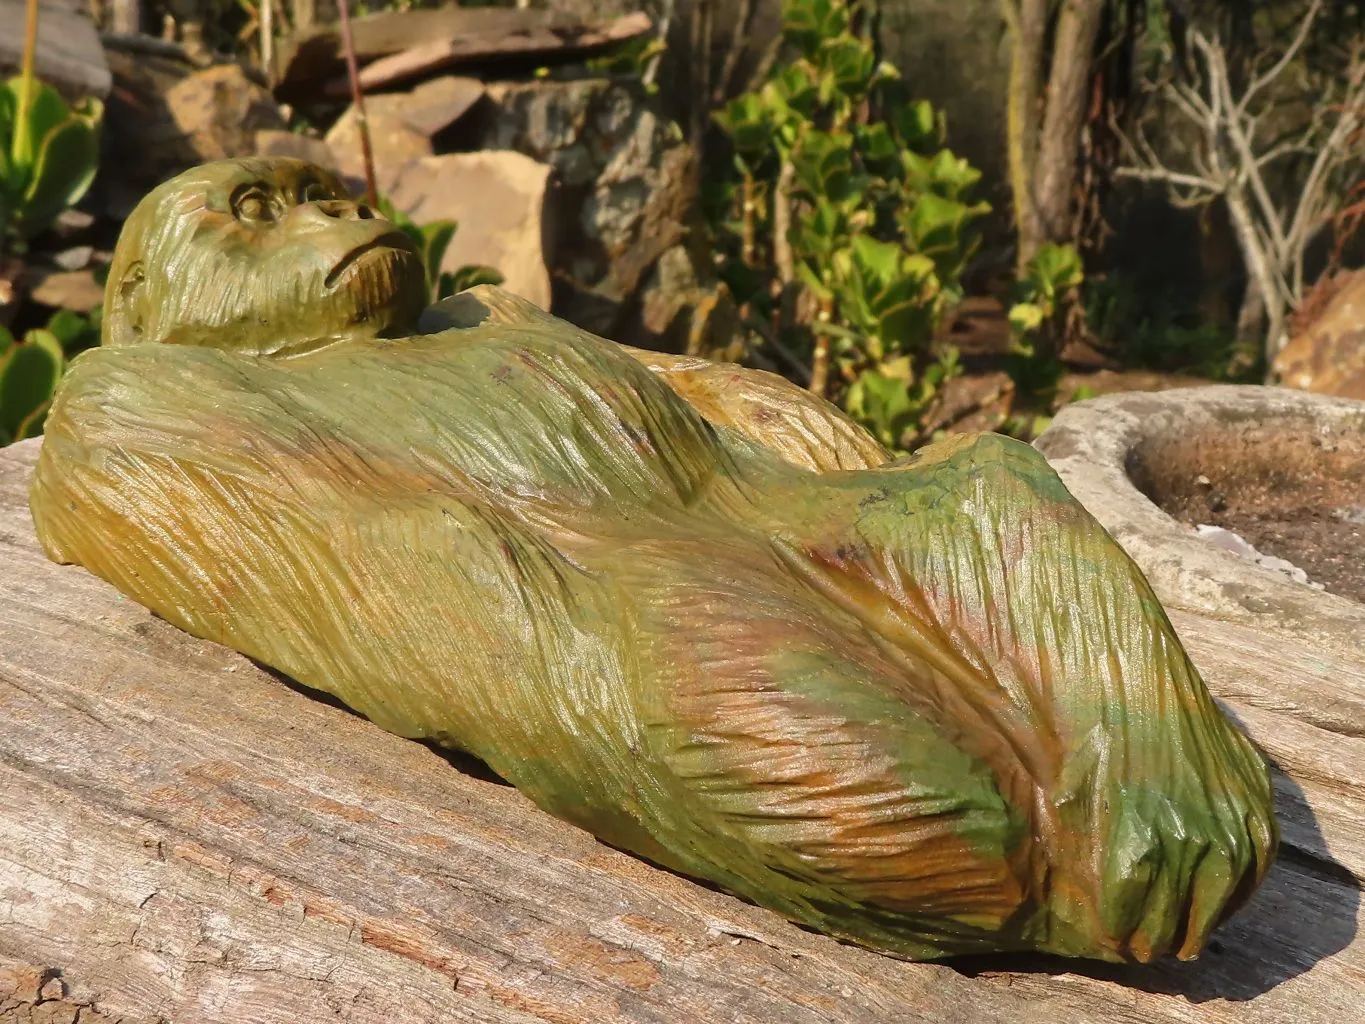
621	202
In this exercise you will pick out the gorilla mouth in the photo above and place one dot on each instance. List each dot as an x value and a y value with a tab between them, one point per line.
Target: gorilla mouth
394	241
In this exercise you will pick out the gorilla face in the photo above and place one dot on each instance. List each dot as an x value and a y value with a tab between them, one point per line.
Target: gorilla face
269	257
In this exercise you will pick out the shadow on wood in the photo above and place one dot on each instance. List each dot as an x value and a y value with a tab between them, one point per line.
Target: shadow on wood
1319	892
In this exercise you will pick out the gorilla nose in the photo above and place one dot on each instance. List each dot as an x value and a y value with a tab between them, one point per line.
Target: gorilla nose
326	212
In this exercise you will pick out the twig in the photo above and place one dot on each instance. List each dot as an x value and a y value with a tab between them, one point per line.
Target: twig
357	97
783	258
23	150
140	42
1261	81
268	34
665	22
793	362
765	63
721	87
1330	153
1221	88
1169	177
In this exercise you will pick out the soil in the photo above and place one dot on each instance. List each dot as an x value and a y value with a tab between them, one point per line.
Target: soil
1290	493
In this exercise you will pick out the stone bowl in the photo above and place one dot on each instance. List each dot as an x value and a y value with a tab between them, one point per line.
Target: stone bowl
1283	470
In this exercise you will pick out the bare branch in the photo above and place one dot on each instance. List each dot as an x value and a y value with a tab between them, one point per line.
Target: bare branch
1221	86
1261	81
1191	104
1284	149
1273	229
1171	178
1331	154
721	92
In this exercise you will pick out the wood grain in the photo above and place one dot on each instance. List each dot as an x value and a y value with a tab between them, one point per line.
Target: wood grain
185	837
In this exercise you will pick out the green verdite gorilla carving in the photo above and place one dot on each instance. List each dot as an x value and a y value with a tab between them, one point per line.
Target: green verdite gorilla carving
926	704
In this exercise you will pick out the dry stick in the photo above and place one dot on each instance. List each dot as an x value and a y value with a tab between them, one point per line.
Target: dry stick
665	23
748	212
793	362
23	154
1261	81
357	98
267	35
819	368
721	87
782	249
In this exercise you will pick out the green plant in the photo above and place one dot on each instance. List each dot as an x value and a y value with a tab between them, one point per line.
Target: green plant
1149	324
1034	362
31	368
891	402
49	152
631	60
431	241
1055	270
29	371
75	332
853	230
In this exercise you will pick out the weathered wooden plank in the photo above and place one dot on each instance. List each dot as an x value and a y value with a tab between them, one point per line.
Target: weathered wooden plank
69	58
187	837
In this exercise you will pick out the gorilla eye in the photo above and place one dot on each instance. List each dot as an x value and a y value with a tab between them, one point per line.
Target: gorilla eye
253	205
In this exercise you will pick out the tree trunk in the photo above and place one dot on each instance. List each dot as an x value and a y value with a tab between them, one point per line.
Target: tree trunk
1263	300
1054	174
1251	316
1027	23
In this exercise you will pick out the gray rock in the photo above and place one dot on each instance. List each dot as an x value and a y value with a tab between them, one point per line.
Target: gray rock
547	120
275	142
1094	445
1238	545
497	200
216	114
623	197
77	257
679	312
401	126
76	290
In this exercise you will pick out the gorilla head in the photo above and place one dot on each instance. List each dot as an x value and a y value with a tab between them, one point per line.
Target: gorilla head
261	256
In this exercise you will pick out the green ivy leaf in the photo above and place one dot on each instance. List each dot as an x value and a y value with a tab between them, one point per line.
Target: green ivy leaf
850	63
27	383
745	120
809	22
823	164
1059	267
1026	316
915	124
69	328
63	170
436	237
469	276
878	262
47	110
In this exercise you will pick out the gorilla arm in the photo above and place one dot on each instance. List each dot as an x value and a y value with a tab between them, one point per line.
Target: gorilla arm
763	407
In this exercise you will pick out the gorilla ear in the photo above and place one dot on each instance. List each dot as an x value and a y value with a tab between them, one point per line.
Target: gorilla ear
125	315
